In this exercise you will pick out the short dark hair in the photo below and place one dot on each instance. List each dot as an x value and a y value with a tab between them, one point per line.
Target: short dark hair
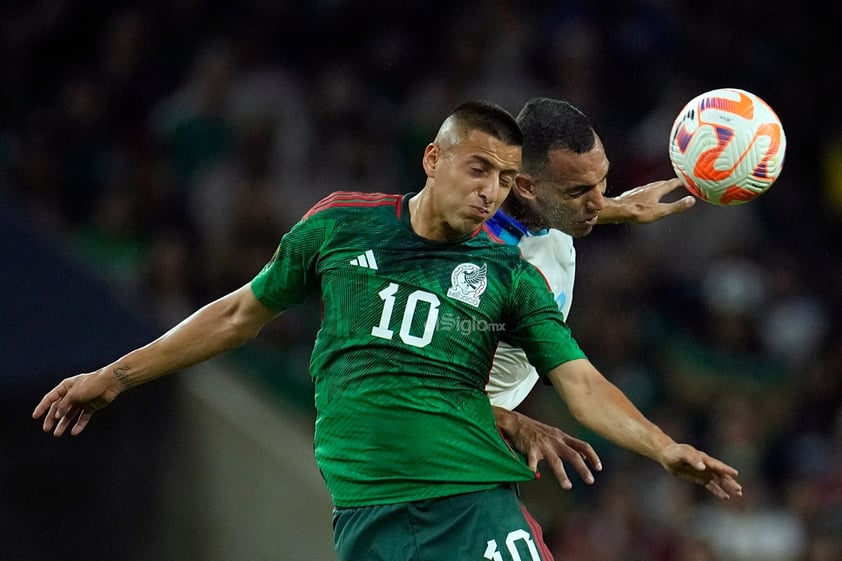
552	124
489	118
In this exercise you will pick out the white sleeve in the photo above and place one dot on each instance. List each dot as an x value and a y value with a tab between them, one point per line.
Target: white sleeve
512	377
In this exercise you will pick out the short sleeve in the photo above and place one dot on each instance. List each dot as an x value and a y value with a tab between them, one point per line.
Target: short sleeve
291	275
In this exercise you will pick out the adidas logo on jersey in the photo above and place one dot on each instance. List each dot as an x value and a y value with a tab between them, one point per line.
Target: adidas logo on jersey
366	260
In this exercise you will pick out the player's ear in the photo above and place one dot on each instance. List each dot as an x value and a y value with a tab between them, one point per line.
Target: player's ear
432	153
524	186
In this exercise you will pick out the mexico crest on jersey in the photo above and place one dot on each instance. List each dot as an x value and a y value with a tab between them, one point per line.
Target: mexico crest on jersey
467	283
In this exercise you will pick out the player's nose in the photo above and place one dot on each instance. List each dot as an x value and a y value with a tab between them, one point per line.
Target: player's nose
490	190
596	201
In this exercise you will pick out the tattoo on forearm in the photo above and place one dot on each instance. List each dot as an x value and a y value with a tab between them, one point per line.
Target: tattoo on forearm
122	375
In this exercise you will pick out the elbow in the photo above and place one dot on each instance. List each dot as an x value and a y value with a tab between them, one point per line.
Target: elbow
579	413
236	318
246	316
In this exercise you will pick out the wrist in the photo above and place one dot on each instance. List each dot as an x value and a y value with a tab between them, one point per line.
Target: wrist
117	378
505	418
663	447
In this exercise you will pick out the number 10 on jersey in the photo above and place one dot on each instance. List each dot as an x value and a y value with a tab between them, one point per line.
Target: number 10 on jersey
410	309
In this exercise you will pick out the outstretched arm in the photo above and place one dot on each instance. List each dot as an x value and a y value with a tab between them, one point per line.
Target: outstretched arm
644	204
538	442
219	326
601	406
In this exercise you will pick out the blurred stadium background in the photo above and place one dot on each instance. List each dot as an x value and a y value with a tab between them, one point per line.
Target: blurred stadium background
152	153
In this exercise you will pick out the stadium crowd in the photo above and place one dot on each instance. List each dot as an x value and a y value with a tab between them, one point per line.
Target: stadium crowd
168	144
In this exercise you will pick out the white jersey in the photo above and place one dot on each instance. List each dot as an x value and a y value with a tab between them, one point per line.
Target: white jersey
552	252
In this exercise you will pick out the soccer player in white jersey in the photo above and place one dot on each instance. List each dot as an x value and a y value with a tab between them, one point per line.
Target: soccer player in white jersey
558	196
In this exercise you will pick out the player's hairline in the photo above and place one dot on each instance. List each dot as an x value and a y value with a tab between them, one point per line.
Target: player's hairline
449	132
479	115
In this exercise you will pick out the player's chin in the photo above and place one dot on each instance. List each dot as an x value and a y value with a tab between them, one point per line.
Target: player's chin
458	228
581	230
474	221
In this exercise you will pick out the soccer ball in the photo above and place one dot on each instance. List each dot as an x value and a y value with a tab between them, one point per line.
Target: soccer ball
727	146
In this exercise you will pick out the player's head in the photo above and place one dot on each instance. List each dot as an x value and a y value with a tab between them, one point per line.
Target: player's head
471	167
563	175
481	116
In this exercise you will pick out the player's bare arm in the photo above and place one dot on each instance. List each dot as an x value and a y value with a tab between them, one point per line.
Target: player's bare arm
644	204
217	327
602	407
540	442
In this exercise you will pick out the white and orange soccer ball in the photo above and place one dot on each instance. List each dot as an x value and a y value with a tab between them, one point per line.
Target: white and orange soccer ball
727	146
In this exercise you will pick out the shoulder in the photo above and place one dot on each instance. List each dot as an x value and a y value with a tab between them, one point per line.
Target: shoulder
488	239
354	201
559	238
552	242
509	257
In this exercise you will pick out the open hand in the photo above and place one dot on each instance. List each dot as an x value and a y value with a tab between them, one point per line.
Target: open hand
685	462
73	401
644	204
537	442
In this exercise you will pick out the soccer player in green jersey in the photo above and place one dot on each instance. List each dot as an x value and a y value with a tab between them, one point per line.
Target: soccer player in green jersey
405	435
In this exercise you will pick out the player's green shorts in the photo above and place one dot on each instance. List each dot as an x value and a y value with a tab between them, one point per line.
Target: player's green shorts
477	526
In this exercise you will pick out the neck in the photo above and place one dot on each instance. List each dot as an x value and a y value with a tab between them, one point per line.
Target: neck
520	211
425	221
421	217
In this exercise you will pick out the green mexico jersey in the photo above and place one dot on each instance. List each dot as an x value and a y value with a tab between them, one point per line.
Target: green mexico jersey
403	354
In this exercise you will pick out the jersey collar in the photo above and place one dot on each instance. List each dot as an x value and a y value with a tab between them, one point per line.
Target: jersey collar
510	229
